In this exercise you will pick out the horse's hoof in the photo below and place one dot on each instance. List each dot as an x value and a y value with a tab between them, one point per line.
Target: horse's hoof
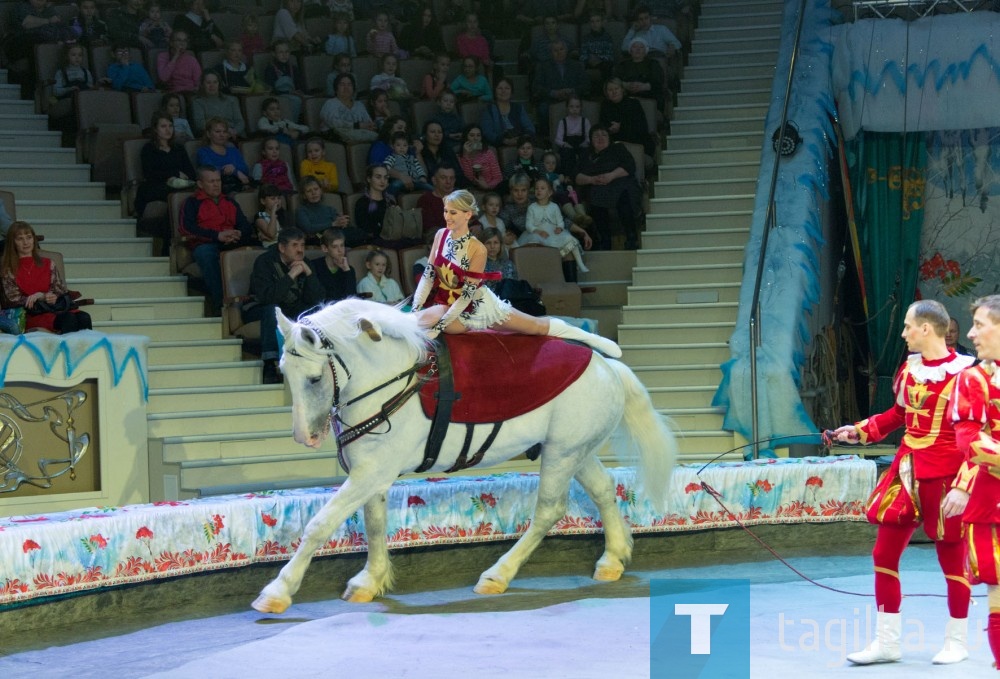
270	604
487	586
608	574
358	596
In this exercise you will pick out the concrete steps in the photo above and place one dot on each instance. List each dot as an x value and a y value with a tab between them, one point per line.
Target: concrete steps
706	171
43	172
721	112
219	421
89	248
165	329
721	140
85	229
704	254
118	287
35	210
66	191
702	221
710	156
183	352
28	140
184	399
91	267
703	203
740	18
683	293
152	308
684	314
23	122
185	375
676	333
728	186
43	155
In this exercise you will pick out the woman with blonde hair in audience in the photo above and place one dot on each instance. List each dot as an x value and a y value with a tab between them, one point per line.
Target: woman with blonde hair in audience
217	152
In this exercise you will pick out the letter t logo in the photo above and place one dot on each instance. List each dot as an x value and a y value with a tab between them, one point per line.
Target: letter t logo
701	624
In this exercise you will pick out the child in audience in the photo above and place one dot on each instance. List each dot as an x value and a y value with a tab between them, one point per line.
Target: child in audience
342	63
251	39
285	78
405	169
564	195
72	76
271	169
470	84
334	272
572	135
341	41
490	218
497	258
436	82
125	76
448	118
544	224
89	29
317	166
154	28
380	40
378	104
171	103
525	161
270	214
272	123
314	216
382	288
390	81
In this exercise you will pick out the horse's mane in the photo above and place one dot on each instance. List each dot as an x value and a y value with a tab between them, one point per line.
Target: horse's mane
342	321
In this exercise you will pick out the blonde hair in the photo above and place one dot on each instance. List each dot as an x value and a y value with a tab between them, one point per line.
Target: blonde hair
463	200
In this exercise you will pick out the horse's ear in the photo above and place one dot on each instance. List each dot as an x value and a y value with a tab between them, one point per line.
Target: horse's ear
369	329
284	325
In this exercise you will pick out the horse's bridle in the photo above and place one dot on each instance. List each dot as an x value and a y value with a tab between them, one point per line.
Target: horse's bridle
352	433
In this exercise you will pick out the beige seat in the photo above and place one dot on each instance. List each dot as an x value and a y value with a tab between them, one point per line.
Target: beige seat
542	267
422	111
408	257
412	71
333	152
97	109
356	258
237	265
101	57
357	163
181	261
311	110
315	69
7	198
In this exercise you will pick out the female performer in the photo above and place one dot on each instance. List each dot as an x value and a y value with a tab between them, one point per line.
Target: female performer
460	301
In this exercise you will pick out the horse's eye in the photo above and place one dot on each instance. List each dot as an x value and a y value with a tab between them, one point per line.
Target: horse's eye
315	380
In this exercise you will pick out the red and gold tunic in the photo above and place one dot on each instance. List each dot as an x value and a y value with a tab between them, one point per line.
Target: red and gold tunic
922	389
975	411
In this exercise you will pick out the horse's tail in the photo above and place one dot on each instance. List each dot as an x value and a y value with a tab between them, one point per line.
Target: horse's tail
651	437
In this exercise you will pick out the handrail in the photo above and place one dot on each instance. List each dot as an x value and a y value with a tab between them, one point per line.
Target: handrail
769	223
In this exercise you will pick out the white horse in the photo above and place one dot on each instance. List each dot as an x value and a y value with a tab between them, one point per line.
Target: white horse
343	364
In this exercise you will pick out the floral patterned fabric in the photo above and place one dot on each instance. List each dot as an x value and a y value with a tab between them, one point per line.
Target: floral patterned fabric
103	547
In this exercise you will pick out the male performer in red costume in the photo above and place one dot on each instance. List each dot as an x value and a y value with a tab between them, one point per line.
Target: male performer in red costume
925	466
975	411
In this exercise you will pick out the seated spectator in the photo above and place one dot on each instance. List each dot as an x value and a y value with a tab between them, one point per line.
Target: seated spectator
378	107
346	116
951	339
546	226
271	122
290	26
388	79
154	28
5	219
369	211
270	217
435	151
489	218
271	169
625	120
572	136
382	148
472	42
524	162
211	102
478	160
217	151
377	283
35	283
531	13
202	32
607	176
165	168
406	172
453	12
281	279
335	274
212	223
436	82
470	84
125	76
586	9
314	216
177	69
341	41
497	257
448	117
504	121
564	195
422	37
342	65
541	47
90	30
659	39
124	22
72	76
235	75
597	49
557	80
431	203
514	212
317	166
171	104
380	39
642	76
284	78
251	40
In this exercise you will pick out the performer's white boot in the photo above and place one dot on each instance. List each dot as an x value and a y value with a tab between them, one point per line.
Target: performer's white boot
560	328
885	646
956	642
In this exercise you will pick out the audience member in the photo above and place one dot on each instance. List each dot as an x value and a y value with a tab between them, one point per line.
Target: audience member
524	162
659	39
125	76
35	283
342	65
497	258
406	172
341	41
284	78
447	116
369	210
315	216
545	225
271	169
251	40
479	161
382	147
504	121
345	7
124	22
212	223
236	76
346	116
470	84
557	80
72	76
597	49
217	151
212	103
171	104
154	28
335	274
271	122
608	177
90	30
489	218
624	118
177	69
564	195
422	37
641	76
380	40
586	9
290	26
435	82
541	47
317	166
431	203
951	339
377	283
197	22
472	42
281	279
270	217
572	136
515	210
388	79
166	167
435	151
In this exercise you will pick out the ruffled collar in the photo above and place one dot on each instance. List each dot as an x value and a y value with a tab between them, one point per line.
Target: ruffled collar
938	369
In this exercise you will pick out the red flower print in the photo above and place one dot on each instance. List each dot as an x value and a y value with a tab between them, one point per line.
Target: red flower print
814	482
98	541
30	545
217	524
692	488
268	520
765	485
415	501
144	534
488	499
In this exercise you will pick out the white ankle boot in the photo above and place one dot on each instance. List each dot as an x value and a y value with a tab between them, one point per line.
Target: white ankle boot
559	328
885	646
956	642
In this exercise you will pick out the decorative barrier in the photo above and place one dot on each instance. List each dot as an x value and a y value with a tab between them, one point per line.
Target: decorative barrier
95	548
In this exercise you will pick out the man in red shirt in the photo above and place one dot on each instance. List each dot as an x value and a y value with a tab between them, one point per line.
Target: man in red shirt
926	464
431	203
975	494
